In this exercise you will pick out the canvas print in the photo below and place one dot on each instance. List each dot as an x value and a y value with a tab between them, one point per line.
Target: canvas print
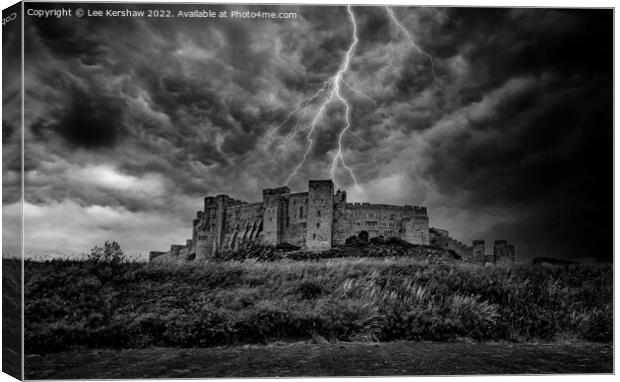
293	190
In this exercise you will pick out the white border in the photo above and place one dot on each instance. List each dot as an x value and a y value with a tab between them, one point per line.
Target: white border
479	3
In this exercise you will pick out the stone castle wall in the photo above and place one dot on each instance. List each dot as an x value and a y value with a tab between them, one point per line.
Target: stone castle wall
242	224
441	238
316	220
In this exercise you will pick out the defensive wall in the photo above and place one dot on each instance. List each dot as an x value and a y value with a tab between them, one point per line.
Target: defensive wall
314	220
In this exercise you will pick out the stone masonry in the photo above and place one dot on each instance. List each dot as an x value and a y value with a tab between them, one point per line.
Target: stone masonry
315	220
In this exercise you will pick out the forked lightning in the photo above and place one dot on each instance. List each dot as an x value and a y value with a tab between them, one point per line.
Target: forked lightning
331	92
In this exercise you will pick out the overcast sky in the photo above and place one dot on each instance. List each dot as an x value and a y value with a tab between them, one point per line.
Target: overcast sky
131	122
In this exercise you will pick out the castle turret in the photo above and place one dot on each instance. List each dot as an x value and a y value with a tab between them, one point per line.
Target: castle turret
320	214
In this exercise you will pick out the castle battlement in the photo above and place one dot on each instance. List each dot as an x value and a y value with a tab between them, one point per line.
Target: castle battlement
277	191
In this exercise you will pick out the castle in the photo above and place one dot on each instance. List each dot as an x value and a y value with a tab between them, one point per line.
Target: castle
315	220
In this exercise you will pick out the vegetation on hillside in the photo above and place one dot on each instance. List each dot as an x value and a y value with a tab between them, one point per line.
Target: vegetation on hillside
11	315
126	304
359	246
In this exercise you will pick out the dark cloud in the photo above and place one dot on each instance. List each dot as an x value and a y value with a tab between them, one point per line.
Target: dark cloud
413	78
7	130
88	121
502	43
512	139
11	122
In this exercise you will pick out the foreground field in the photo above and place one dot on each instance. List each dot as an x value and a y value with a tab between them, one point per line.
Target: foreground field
77	304
344	359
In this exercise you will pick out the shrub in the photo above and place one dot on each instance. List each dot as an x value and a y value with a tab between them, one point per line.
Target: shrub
362	237
110	253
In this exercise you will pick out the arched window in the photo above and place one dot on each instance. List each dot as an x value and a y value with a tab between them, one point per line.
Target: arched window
318	225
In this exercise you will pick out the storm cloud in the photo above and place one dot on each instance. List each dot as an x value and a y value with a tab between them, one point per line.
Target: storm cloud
132	121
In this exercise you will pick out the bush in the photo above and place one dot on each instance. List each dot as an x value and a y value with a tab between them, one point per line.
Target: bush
110	253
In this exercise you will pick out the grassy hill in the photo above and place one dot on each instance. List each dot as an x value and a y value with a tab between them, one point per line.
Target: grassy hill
74	304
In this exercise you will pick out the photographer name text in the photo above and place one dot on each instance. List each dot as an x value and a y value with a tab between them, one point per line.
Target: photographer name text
158	13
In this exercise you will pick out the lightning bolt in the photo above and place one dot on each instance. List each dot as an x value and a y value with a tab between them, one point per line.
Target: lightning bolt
331	93
301	106
333	87
405	31
336	93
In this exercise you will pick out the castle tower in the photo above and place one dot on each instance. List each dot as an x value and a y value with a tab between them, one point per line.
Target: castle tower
416	226
204	229
342	226
221	204
478	252
500	250
504	254
275	210
511	254
320	214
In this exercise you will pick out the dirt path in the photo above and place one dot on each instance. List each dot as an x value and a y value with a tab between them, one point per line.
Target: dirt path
343	359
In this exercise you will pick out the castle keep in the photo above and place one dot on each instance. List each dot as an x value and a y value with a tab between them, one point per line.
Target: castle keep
315	220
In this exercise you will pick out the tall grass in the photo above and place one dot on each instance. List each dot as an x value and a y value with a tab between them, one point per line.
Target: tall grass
11	315
71	304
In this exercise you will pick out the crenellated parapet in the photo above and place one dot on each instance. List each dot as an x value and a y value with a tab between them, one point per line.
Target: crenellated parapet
412	210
